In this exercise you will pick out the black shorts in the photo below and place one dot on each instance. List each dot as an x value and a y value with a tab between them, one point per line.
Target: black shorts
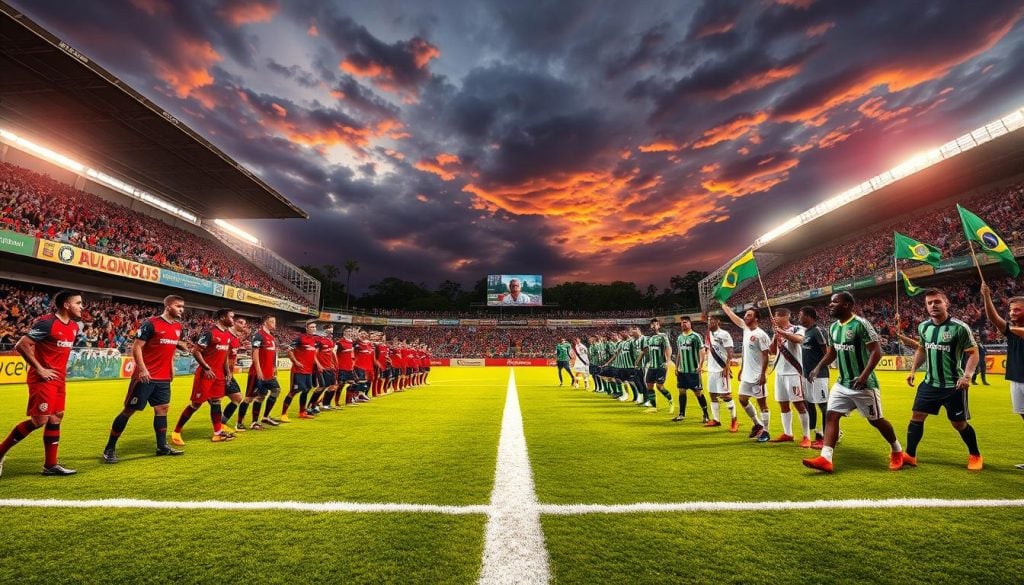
345	376
635	374
655	376
327	378
409	371
232	387
930	399
358	375
302	382
254	387
686	381
594	370
153	393
562	364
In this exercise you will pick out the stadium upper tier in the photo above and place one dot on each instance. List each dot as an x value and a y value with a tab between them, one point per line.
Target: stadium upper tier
37	205
870	251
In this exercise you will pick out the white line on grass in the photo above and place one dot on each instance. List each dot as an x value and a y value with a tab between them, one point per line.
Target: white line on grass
514	549
574	509
357	507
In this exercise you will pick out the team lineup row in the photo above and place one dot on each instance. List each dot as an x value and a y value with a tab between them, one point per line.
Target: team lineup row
358	366
630	367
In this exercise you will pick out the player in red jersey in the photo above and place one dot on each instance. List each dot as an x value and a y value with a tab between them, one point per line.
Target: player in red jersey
328	383
426	364
212	352
364	362
153	349
346	367
380	365
46	349
302	353
262	384
238	331
398	365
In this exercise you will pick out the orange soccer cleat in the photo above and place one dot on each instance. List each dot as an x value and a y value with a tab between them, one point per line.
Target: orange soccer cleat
176	439
896	461
735	425
909	460
712	423
783	438
975	463
819	463
805	443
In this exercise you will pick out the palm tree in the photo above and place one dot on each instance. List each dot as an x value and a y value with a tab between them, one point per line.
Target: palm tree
350	267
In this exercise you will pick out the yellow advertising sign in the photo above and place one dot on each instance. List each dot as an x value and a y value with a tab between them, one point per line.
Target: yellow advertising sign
90	260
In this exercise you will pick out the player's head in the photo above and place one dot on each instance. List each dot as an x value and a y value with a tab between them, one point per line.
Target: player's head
241	324
69	303
328	330
591	339
685	324
936	303
563	340
714	322
750	317
174	306
808	316
1016	310
840	306
783	315
224	317
311	327
514	286
655	324
269	322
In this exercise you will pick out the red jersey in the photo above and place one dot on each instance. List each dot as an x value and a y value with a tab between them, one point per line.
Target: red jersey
325	353
407	357
304	348
161	337
384	355
346	355
54	340
264	349
396	359
364	355
217	345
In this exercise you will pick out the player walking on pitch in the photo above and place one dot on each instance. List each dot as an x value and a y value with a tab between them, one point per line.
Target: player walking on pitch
944	341
657	352
562	349
580	364
789	387
753	370
211	351
719	368
46	348
689	364
857	346
816	389
1013	330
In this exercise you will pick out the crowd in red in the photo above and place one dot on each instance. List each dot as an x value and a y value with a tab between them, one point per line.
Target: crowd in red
872	251
40	206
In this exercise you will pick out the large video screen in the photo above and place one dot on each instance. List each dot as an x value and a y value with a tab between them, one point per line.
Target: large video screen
514	289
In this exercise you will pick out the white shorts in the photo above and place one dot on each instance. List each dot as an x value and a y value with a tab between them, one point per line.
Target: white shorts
718	383
754	390
581	368
845	400
1017	396
816	392
789	387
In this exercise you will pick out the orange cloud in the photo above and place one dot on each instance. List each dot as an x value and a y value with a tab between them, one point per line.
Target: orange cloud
713	29
386	76
446	166
248	11
731	129
660	146
758	80
764	175
187	67
875	108
818	29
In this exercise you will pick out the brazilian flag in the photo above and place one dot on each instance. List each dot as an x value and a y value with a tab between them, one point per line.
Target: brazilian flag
911	249
912	290
740	271
977	230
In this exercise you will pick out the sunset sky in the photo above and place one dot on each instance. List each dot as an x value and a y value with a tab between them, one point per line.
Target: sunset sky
584	140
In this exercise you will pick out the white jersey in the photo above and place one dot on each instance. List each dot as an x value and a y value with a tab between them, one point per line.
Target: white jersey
581	354
785	368
522	299
755	341
721	343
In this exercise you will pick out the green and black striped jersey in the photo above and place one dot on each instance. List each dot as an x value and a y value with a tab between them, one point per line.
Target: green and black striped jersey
636	348
689	346
944	346
656	345
850	340
596	351
622	357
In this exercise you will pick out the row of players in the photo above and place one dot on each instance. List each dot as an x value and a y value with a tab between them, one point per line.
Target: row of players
631	366
358	365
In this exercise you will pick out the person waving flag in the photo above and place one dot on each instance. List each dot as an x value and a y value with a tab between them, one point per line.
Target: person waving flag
978	231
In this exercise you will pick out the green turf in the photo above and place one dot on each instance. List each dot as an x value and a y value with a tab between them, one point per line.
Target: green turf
847	546
585	447
408	447
136	546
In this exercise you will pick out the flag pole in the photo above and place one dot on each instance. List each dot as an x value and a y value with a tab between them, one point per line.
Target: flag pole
899	331
763	291
975	257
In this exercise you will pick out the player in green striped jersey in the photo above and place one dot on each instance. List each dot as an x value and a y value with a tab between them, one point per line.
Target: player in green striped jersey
618	356
943	343
636	355
657	353
854	342
690	355
595	350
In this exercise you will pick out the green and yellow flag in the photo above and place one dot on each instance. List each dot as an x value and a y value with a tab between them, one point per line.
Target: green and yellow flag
910	249
912	290
740	271
977	230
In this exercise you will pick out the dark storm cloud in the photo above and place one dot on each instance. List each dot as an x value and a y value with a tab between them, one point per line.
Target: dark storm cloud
300	75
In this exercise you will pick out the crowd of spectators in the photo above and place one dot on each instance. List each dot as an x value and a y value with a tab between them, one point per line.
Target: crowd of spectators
38	205
513	314
872	251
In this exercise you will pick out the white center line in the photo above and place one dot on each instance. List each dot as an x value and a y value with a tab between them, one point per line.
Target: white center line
514	550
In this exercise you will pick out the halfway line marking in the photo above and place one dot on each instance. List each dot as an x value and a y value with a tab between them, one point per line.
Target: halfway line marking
514	550
356	507
573	509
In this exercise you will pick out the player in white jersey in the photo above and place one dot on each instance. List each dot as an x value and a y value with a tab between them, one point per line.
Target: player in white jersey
580	364
789	381
720	346
753	371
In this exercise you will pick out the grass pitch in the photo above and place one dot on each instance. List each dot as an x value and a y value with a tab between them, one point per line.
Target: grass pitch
437	445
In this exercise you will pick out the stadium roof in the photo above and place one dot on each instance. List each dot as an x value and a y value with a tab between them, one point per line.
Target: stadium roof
53	92
996	159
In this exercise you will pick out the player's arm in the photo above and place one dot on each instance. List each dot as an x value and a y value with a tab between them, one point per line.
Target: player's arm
728	363
26	346
733	317
789	336
666	351
826	360
919	357
874	356
1018	331
973	356
257	369
764	367
140	364
702	357
990	309
197	353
